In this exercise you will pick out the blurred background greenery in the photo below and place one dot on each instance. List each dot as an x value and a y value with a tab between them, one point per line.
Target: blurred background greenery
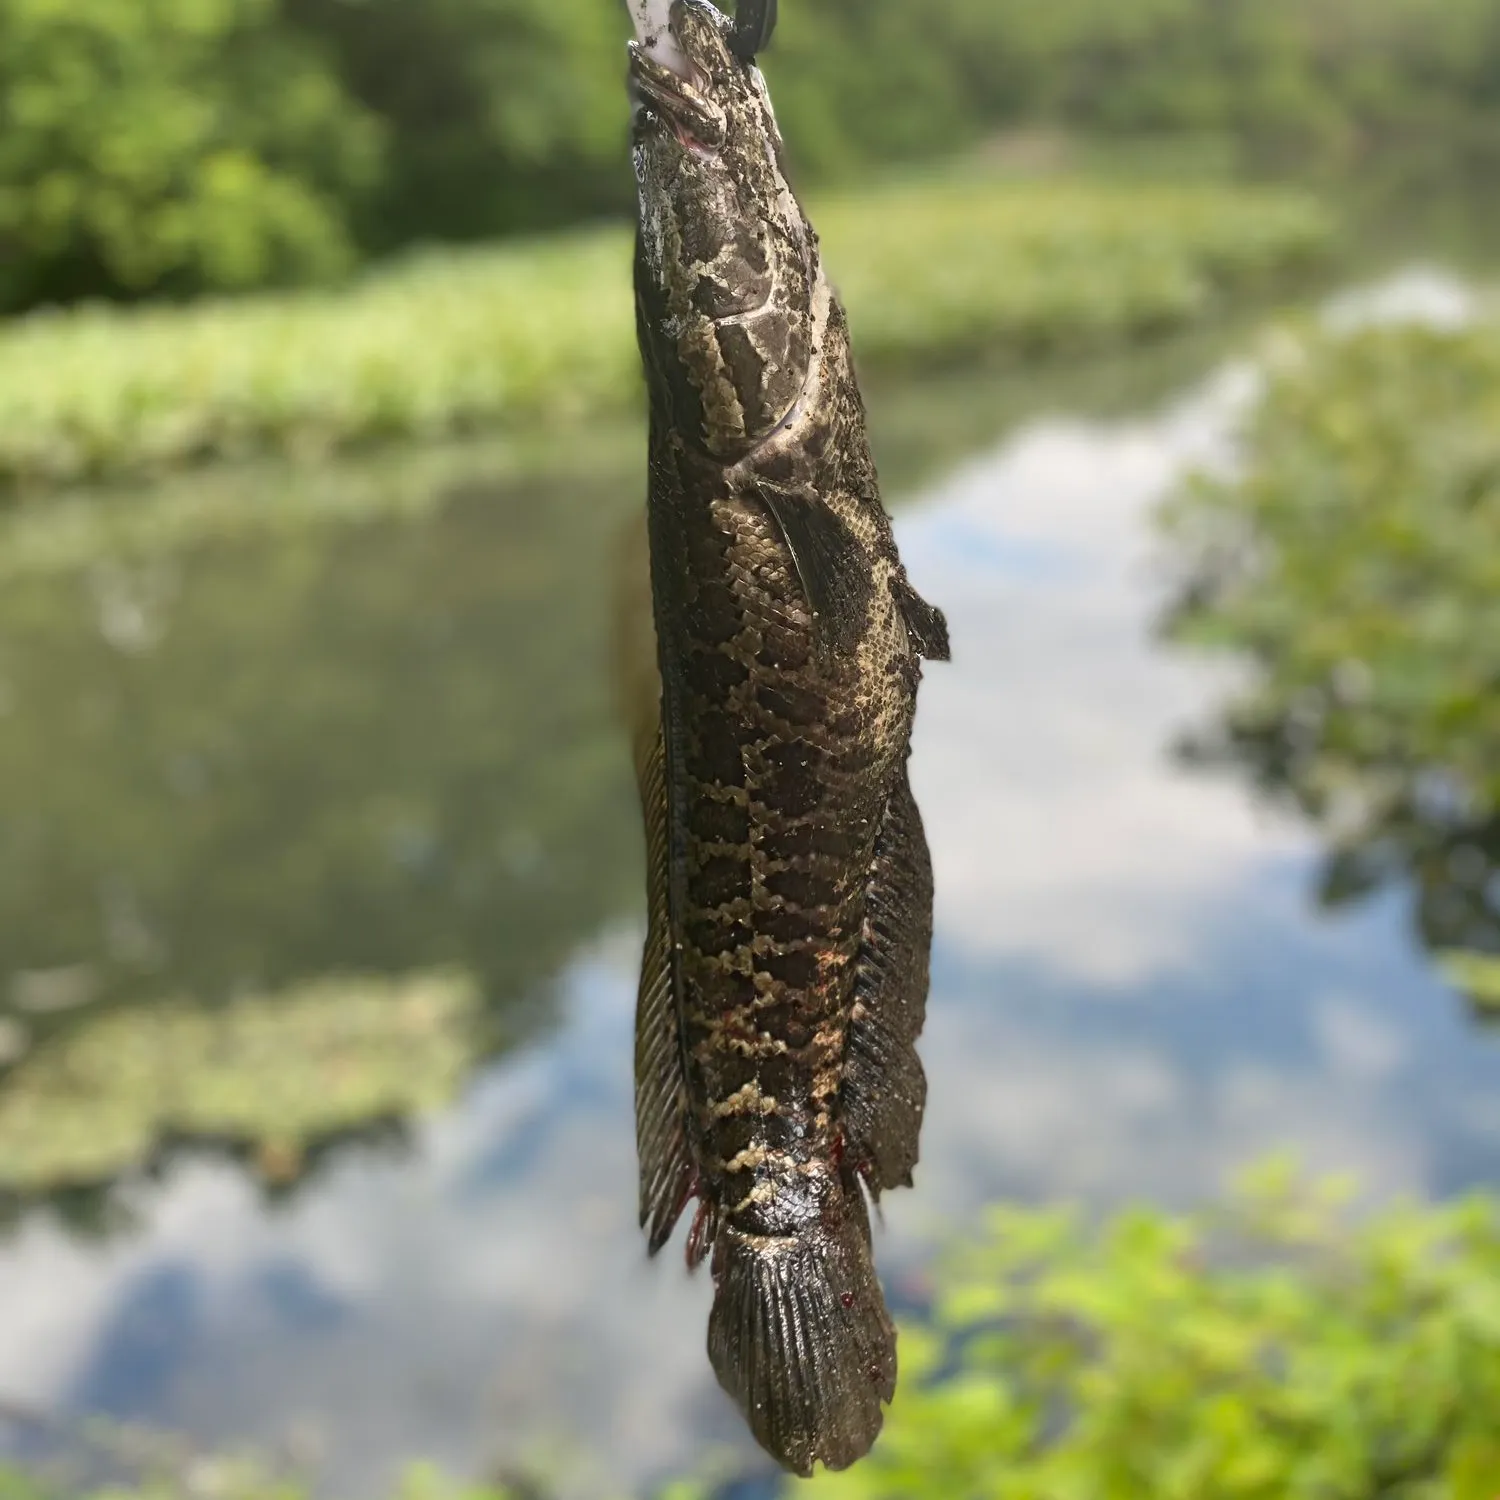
1356	562
309	782
173	146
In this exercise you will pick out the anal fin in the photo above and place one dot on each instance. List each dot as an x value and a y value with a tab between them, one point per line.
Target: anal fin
885	1089
666	1165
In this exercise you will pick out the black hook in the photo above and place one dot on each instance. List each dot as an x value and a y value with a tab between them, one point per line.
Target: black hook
754	22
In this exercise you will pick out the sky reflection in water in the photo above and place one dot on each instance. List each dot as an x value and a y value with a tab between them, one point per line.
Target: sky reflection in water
1131	996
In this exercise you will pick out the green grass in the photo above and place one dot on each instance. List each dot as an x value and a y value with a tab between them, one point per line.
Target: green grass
542	332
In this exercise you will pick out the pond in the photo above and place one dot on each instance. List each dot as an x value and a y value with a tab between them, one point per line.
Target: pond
319	911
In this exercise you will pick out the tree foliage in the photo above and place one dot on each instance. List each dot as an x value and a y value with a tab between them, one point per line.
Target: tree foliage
501	114
170	143
1352	561
174	144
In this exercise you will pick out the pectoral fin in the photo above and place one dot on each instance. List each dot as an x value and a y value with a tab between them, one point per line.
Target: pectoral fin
885	1089
924	622
831	564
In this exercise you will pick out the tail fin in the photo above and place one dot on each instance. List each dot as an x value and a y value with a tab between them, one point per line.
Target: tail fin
801	1339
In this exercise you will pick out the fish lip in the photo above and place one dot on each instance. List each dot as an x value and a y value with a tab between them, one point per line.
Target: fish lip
681	102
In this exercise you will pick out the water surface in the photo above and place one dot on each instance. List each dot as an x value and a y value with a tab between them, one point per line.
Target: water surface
384	745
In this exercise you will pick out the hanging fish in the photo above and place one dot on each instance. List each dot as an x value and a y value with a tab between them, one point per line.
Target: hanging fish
785	975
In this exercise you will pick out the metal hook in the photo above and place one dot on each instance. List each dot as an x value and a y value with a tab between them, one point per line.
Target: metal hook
754	23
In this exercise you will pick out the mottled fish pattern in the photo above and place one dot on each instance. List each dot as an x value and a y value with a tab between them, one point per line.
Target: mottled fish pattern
784	980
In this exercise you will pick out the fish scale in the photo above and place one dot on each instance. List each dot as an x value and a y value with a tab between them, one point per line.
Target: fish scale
784	978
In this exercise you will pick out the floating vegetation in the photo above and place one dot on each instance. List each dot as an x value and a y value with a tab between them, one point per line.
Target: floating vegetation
1352	558
274	1075
542	332
1476	976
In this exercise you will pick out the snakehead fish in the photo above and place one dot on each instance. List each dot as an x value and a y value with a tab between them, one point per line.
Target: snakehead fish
784	979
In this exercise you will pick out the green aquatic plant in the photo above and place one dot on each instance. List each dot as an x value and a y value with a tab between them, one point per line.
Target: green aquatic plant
16	1484
273	1076
942	268
1476	976
1269	1350
1351	559
541	332
1287	1344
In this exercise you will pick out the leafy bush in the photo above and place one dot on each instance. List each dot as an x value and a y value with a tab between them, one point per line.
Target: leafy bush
1476	975
1270	1349
501	114
1353	558
169	143
540	331
507	112
1264	1352
1285	79
939	269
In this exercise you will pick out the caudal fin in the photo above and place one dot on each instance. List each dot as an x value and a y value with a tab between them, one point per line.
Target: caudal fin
801	1339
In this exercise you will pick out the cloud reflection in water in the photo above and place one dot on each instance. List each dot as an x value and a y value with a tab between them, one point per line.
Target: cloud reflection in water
1131	996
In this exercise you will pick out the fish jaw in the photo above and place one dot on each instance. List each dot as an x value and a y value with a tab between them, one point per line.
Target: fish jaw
753	26
679	98
654	36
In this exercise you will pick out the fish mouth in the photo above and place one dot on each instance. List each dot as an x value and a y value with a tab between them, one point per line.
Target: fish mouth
680	102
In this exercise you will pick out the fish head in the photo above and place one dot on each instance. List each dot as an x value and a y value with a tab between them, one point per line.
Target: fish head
726	261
